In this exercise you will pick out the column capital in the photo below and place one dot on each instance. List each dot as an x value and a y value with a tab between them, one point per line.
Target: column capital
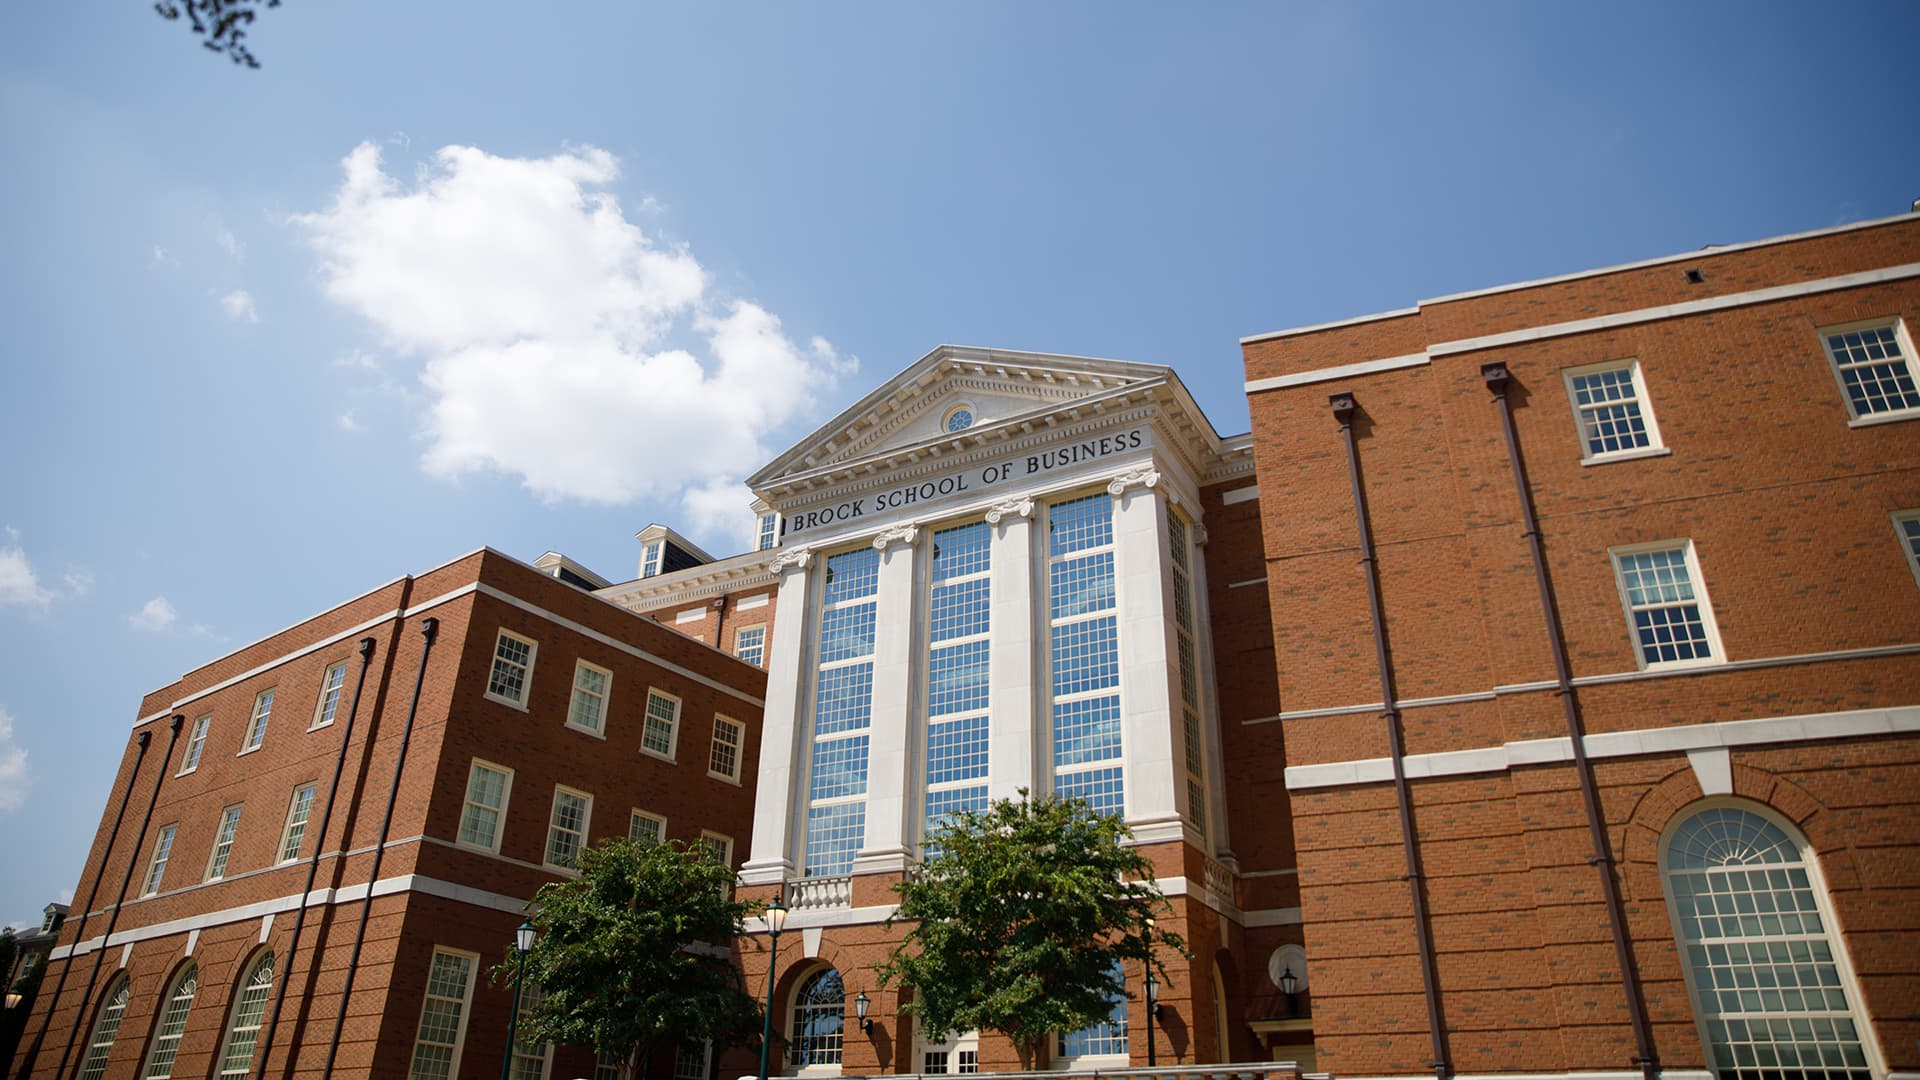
902	533
1199	534
791	558
1020	507
1146	478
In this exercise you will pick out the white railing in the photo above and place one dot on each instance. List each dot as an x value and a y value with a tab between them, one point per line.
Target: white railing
1220	880
1245	1070
814	893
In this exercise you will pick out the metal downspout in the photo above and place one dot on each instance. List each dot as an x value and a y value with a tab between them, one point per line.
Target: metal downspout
429	627
1343	409
144	739
1648	1061
313	864
114	919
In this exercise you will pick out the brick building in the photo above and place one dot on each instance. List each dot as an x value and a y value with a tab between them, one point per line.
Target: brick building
533	717
1667	514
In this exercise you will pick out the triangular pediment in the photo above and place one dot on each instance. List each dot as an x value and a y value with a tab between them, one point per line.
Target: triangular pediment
917	407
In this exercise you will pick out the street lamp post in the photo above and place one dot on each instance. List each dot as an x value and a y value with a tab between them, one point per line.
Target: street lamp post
522	945
1153	994
776	922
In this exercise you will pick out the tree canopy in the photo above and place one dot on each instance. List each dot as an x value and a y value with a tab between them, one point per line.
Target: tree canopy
633	954
1023	914
223	23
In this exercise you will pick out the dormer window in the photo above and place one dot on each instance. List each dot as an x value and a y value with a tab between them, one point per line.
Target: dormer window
769	531
650	558
960	419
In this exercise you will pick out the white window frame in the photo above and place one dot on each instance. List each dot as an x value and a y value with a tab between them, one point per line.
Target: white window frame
766	531
466	1007
1856	419
466	802
739	744
234	1010
722	841
681	1056
762	647
638	814
322	714
1641	401
222	851
257	722
652	555
1909	545
196	744
107	1019
286	830
1699	585
605	697
158	858
526	674
673	732
169	1028
553	818
517	1053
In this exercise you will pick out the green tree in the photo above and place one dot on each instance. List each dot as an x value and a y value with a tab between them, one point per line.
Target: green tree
1022	916
634	953
223	23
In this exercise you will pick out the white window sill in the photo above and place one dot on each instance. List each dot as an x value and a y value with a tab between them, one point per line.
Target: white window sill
652	753
1682	665
568	871
466	845
184	772
1626	455
734	780
250	750
595	732
1872	419
317	727
508	702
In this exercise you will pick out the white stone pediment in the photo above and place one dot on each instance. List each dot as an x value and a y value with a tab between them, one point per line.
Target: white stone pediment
913	408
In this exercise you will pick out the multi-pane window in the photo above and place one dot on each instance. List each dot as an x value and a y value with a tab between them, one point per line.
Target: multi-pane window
1762	966
691	1059
1107	1036
650	558
1084	653
486	804
1906	524
243	1032
299	808
588	709
531	1059
725	759
157	865
1611	407
607	1067
196	743
443	1015
819	1016
1875	368
750	644
332	682
512	668
842	713
105	1029
660	728
172	1025
769	531
567	828
1666	606
257	725
223	842
719	845
646	828
958	643
1178	537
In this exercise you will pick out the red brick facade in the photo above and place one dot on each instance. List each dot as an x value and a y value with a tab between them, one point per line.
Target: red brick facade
1786	505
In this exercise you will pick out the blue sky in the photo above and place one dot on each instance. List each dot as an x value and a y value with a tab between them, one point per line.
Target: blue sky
446	275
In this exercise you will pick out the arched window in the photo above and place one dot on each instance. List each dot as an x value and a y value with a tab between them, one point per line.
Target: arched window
173	1024
105	1027
249	1009
1761	963
819	1015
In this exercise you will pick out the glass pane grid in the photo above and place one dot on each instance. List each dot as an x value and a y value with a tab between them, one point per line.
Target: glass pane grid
1611	428
1878	376
1672	633
846	633
1086	731
567	829
957	679
1080	523
1100	787
852	575
960	610
1086	656
750	645
839	768
726	748
957	750
834	834
843	701
1656	577
656	732
1079	586
961	551
819	1017
644	828
510	659
245	1032
105	1030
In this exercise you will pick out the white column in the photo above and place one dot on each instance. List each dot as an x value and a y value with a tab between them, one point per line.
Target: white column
1149	683
1012	733
884	846
781	742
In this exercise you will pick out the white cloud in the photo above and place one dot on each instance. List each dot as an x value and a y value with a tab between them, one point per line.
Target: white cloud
18	583
229	243
156	614
162	258
347	422
13	766
239	305
358	359
562	344
79	580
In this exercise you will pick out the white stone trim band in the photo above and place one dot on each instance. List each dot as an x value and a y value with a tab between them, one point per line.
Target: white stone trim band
1343	371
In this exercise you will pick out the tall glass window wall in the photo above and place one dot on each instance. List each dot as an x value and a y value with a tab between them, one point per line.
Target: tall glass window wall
1178	536
1084	652
842	714
957	671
